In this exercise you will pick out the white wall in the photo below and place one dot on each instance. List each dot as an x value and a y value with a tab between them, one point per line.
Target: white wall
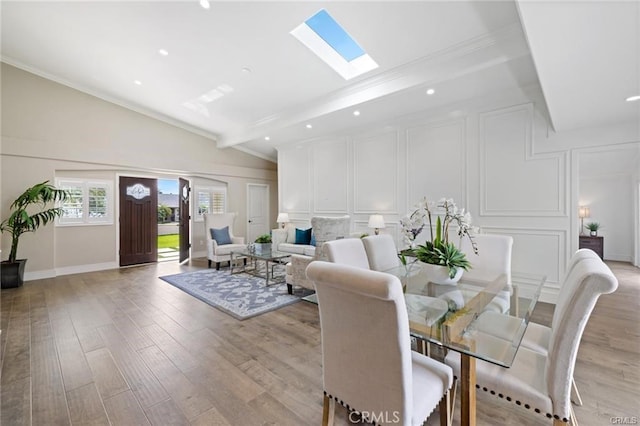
495	156
50	130
611	204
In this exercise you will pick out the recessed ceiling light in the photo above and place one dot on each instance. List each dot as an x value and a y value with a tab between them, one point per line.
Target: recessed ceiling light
246	70
204	4
430	91
267	138
163	52
633	98
308	126
138	82
356	113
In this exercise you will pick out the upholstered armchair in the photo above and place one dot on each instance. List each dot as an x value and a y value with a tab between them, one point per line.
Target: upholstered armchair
217	252
367	362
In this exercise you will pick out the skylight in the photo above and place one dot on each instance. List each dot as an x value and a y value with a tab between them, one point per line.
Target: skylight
327	39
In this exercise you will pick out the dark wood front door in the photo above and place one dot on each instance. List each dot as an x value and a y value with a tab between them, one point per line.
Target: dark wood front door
138	220
183	208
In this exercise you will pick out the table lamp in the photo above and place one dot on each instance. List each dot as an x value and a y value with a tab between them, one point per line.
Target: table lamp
583	211
283	219
376	221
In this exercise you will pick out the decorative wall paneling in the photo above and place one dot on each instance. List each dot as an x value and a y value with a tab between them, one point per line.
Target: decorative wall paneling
375	174
484	156
536	252
295	179
513	181
331	181
436	164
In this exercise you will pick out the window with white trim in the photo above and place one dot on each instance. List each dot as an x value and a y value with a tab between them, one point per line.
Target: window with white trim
209	200
90	202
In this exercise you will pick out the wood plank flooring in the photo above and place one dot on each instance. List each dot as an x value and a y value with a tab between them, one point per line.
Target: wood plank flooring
122	347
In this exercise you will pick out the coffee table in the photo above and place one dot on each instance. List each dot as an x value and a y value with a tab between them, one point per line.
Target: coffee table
272	260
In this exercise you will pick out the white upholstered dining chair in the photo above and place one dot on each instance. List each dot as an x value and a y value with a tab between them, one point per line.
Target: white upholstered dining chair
381	252
493	259
217	252
542	381
368	365
347	251
537	336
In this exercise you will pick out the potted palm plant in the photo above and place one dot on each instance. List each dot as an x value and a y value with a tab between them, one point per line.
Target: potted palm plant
442	260
27	213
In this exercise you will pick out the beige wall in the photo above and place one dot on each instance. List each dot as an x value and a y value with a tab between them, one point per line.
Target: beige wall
50	130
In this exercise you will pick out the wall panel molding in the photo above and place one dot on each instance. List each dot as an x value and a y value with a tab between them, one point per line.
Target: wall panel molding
551	244
295	180
375	174
331	177
510	174
437	152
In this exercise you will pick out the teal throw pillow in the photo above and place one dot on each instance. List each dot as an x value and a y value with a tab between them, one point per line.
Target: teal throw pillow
303	236
313	239
221	235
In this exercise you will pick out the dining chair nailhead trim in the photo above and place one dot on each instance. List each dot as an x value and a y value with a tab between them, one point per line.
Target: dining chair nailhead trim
358	412
508	398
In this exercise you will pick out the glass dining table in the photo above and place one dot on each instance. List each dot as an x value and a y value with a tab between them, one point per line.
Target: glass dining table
476	318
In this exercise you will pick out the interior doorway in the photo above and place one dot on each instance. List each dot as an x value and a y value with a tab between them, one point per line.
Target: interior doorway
168	220
257	210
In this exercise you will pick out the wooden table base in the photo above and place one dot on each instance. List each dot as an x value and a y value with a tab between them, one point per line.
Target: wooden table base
468	390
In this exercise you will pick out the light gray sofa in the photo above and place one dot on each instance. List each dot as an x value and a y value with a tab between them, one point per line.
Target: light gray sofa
284	240
324	229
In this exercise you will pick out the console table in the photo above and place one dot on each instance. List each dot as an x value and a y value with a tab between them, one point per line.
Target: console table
594	243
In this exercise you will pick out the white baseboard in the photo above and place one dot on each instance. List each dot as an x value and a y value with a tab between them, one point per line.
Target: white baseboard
196	254
79	269
39	275
619	257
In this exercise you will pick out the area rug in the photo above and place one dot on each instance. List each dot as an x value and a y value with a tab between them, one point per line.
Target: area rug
240	295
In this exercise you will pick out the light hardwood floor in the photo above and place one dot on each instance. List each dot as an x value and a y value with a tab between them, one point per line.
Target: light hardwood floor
123	347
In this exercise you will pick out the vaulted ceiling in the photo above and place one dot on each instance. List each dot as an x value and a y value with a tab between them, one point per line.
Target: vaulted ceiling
584	55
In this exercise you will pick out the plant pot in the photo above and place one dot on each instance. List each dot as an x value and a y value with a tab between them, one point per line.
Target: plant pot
439	274
593	233
262	247
12	273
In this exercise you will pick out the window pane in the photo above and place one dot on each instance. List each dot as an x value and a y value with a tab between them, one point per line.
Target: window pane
218	202
97	202
72	207
204	203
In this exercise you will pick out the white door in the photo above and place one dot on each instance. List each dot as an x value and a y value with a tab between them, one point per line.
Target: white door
257	211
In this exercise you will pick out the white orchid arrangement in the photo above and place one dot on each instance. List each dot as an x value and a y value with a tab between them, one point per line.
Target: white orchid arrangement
438	250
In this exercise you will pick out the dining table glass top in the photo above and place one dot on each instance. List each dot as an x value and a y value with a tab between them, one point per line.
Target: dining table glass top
485	318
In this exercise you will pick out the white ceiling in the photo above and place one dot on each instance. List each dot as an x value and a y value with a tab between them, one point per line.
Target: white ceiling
585	55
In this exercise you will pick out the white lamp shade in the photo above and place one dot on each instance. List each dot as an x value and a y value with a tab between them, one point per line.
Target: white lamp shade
283	218
583	212
376	221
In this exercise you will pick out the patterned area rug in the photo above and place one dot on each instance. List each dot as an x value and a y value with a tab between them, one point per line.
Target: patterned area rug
241	295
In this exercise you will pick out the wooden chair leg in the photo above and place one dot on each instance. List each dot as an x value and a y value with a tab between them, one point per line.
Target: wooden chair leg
452	398
328	410
209	263
575	395
573	420
445	404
